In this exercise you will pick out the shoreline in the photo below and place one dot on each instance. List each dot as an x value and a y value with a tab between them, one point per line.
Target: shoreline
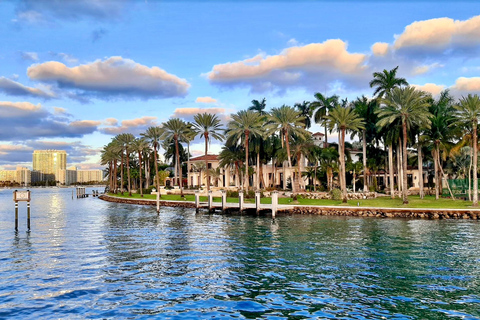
409	213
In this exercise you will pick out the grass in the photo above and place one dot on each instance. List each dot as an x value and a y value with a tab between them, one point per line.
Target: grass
414	201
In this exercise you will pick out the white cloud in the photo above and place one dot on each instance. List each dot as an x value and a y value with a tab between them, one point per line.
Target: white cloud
32	56
205	100
13	88
133	126
114	77
380	48
467	85
434	89
305	66
187	114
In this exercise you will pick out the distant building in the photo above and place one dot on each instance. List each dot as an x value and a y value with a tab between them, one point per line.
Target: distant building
89	175
318	139
22	176
49	162
67	176
8	175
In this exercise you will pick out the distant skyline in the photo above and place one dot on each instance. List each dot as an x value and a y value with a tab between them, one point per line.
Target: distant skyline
74	74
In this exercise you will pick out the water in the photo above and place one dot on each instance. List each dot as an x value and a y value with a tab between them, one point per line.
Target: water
86	258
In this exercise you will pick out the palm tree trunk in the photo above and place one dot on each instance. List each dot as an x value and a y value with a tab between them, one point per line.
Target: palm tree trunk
437	187
121	175
128	174
289	161
315	178
420	169
257	184
207	176
364	145
297	180
177	154
404	160
343	184
115	176
147	170
399	170
390	171
475	175
156	169
246	184
470	176
140	166
188	164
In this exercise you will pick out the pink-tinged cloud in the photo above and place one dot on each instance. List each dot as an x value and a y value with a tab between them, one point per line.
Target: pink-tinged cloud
111	122
114	77
434	89
13	88
17	109
303	66
465	85
439	34
380	48
205	100
133	126
85	123
188	113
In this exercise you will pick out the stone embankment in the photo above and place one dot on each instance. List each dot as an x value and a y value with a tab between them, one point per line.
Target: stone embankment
409	213
389	212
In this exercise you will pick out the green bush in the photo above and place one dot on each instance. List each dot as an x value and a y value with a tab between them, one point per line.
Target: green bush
336	194
148	190
232	194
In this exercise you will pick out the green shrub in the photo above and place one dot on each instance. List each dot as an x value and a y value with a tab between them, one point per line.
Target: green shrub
336	194
148	190
232	194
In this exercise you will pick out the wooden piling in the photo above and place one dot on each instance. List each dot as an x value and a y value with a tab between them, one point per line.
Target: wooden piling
274	203
210	202
197	200
224	201
240	201
257	201
16	215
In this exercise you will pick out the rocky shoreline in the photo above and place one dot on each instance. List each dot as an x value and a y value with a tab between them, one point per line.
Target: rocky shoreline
410	213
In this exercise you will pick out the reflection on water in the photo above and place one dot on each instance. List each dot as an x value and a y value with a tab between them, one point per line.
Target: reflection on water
86	258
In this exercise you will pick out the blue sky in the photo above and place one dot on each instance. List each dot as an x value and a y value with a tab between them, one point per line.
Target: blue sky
74	74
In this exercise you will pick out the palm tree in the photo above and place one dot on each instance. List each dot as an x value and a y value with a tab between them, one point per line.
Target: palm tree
216	174
329	162
208	126
139	145
344	119
366	109
301	146
386	81
259	106
320	109
188	137
306	111
288	122
355	167
126	139
153	135
110	156
176	129
468	114
410	106
231	156
245	124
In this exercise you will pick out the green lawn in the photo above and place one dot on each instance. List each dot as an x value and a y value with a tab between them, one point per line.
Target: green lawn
414	201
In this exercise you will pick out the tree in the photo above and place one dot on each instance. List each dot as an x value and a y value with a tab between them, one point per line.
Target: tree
288	122
176	129
384	82
356	168
153	135
139	145
245	124
306	111
344	119
125	140
410	106
231	156
208	126
259	106
468	113
110	156
320	109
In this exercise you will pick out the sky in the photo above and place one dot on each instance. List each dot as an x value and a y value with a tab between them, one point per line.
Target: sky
73	74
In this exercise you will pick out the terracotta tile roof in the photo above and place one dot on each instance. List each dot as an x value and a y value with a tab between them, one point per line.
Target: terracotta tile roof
208	157
318	134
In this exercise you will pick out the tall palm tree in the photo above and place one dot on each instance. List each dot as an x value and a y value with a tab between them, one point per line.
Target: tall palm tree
208	126
468	114
139	145
288	122
110	156
176	129
384	82
366	109
329	162
301	147
231	156
410	106
153	135
344	119
243	126
306	111
126	140
320	108
188	137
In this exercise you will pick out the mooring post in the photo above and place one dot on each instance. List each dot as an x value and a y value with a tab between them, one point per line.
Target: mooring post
28	215
72	194
16	215
240	201
224	201
257	201
158	201
274	203
210	201
197	200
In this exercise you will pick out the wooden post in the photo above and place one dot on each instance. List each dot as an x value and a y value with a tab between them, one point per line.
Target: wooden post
257	201
197	200
210	201
28	215
158	201
274	203
16	215
224	200
240	201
